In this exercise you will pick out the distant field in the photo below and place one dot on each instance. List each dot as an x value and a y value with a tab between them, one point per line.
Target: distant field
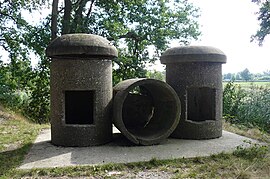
250	84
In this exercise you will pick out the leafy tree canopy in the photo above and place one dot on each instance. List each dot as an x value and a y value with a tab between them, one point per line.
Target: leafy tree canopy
245	74
20	38
264	19
132	25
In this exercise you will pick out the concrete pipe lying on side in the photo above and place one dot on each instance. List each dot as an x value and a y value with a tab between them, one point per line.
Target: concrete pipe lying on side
146	111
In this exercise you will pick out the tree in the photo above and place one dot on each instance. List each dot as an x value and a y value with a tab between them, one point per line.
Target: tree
133	26
238	76
245	75
264	19
228	76
21	40
158	75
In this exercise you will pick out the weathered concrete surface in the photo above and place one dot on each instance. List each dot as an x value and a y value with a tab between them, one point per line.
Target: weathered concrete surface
81	89
189	54
84	45
195	73
45	155
150	115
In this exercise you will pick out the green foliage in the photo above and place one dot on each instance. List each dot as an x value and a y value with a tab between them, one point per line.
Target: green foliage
233	97
250	107
264	20
14	83
156	75
132	26
39	102
255	109
245	75
23	88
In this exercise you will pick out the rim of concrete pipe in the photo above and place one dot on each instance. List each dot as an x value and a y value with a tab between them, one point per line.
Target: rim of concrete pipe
81	45
186	54
163	123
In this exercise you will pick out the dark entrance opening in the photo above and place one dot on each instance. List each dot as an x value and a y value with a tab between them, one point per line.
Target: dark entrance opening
79	107
201	104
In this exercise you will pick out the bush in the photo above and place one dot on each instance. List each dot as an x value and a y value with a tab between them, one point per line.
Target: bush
12	94
26	90
250	107
233	96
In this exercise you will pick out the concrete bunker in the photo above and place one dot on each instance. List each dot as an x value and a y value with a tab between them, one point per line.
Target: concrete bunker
195	73
81	89
146	111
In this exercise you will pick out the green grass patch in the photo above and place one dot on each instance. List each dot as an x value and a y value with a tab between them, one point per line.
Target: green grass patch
17	135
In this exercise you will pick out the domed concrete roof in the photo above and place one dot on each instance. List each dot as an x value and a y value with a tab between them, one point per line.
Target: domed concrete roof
193	54
81	45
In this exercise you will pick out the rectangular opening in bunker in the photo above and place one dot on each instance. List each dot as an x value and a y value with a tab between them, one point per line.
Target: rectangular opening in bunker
79	107
201	104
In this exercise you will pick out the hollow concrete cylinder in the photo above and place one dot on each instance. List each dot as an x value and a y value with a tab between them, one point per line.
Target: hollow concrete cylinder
146	111
195	73
81	89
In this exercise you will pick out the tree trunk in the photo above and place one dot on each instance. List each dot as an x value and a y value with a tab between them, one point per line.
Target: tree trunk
78	21
54	19
67	16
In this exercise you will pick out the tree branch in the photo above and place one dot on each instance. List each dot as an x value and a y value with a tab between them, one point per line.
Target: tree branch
78	15
5	14
90	9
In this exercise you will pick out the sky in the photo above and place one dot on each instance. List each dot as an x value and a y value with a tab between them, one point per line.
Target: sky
228	25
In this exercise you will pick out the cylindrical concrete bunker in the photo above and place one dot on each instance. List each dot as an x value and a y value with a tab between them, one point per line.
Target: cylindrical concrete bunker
146	111
81	89
195	73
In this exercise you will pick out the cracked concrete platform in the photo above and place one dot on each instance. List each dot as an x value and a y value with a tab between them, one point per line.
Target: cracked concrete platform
45	155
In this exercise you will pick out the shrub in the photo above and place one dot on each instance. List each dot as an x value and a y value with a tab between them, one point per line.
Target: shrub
250	107
233	96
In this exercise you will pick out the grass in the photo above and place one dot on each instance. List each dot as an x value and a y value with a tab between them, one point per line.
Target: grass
17	135
253	133
243	163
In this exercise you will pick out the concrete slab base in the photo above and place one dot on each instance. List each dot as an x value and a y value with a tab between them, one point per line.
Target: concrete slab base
45	155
